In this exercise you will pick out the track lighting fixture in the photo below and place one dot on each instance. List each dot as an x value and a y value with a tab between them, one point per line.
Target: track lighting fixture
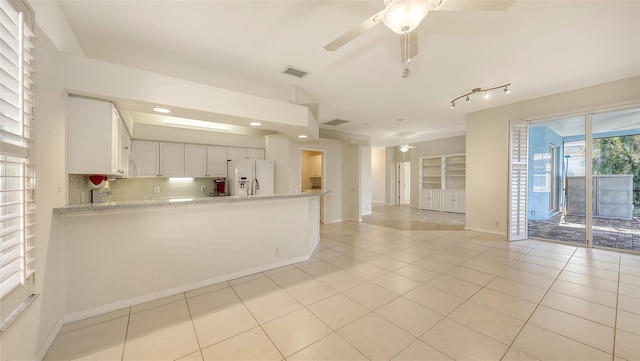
478	90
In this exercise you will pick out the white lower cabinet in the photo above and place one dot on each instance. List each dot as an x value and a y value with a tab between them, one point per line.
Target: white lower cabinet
431	199
453	201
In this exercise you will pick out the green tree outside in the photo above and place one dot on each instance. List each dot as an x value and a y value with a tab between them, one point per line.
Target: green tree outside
619	155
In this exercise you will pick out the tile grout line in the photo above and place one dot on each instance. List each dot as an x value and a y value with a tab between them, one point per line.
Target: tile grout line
126	334
193	325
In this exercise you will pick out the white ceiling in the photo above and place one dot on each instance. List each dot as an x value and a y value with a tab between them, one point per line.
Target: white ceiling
541	47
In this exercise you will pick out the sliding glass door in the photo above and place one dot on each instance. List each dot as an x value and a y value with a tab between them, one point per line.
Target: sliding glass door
590	166
557	201
616	179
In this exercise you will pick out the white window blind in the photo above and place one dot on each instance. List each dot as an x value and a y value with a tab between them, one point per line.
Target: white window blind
518	160
17	168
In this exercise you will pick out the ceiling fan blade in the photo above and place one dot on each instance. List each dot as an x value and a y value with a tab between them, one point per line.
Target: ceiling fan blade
413	45
474	5
355	32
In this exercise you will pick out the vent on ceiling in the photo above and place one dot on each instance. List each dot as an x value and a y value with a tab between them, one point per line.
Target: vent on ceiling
295	72
336	122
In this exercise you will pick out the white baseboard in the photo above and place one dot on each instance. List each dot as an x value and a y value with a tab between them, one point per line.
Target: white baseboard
484	230
95	311
334	221
49	340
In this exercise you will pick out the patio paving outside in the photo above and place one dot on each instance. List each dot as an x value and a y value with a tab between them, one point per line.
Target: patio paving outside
607	232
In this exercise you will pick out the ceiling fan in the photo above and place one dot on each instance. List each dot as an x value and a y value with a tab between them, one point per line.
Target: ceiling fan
404	147
404	16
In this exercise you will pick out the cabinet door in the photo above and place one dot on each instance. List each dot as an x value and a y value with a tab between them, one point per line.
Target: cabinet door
461	202
436	199
315	166
254	153
448	200
234	153
171	160
90	137
216	162
195	160
125	152
116	142
146	155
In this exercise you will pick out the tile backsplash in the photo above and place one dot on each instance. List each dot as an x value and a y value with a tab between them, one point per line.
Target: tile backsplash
138	188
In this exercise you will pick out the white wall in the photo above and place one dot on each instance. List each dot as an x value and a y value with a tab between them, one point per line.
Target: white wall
487	144
38	325
378	177
286	154
365	180
351	180
132	256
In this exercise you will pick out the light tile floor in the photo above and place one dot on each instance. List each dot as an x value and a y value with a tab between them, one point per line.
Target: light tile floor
376	293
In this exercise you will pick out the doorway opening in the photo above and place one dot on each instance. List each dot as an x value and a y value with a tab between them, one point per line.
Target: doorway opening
403	189
585	180
311	174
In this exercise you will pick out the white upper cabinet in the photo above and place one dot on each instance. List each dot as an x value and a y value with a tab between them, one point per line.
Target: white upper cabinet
145	156
126	163
255	153
234	153
216	161
171	160
195	160
315	166
94	139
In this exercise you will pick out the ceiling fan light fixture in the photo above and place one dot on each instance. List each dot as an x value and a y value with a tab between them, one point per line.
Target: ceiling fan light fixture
404	148
403	16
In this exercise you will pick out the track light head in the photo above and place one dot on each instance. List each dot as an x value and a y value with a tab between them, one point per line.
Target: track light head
506	89
453	105
467	100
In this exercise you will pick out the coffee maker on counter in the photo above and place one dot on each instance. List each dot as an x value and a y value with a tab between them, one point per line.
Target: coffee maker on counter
99	194
219	187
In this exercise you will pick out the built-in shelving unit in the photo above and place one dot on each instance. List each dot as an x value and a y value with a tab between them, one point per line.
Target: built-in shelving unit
431	173
442	183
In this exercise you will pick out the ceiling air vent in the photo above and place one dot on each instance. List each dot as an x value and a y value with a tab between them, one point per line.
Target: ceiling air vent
336	122
295	72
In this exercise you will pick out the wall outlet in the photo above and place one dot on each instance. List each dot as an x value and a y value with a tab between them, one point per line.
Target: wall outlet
497	223
203	188
533	213
156	189
276	251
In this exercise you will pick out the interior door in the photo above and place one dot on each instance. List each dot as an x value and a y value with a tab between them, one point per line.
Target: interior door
518	155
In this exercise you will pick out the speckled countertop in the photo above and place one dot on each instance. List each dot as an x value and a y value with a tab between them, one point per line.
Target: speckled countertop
110	206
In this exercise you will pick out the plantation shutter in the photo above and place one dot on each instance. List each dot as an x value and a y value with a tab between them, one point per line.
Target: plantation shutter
518	155
17	172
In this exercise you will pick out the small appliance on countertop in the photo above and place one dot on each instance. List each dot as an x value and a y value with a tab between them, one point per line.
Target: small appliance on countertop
99	194
219	188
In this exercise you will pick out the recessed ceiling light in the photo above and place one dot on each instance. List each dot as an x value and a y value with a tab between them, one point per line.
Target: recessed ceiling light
161	110
302	136
255	124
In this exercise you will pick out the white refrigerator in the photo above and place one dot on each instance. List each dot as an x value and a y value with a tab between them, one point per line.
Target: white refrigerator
250	177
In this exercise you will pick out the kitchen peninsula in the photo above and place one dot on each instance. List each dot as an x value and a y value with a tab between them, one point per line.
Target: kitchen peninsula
124	253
